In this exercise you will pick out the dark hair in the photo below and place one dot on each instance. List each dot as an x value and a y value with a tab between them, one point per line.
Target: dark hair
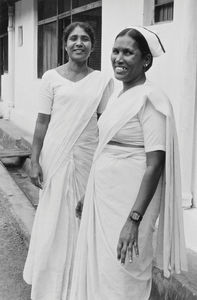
141	42
85	26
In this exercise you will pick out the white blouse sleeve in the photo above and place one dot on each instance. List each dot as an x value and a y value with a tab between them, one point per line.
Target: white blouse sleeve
154	128
105	97
45	99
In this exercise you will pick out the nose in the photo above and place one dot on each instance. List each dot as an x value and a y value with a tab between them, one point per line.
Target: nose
118	57
79	42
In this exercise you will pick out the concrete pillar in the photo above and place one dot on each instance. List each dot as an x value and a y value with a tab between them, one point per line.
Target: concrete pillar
11	62
185	18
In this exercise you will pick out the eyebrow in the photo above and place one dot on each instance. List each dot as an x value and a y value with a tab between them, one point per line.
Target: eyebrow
83	35
129	49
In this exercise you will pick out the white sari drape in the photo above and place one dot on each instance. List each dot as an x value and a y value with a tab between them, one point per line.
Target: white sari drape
66	158
112	188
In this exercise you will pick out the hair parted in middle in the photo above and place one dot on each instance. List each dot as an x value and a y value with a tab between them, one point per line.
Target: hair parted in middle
84	25
141	42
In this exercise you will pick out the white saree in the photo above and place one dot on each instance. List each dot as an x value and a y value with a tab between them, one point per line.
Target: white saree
66	158
112	188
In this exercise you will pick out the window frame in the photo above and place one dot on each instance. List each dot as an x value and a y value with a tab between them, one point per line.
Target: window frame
4	53
162	5
58	17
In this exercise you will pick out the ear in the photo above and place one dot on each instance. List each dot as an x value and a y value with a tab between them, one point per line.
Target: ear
147	62
147	59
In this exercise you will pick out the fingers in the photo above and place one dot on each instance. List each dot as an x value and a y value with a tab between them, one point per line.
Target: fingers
41	177
124	249
130	252
78	210
37	182
36	175
123	254
136	248
119	248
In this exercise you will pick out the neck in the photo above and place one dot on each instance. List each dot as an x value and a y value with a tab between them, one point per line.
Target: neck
138	81
77	67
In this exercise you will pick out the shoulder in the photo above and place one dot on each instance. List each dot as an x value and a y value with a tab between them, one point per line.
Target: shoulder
158	98
49	75
102	78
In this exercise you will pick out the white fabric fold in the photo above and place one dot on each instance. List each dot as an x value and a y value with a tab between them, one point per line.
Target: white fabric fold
66	159
97	274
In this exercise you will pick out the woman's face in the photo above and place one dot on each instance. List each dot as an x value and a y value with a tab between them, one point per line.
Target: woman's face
78	45
127	60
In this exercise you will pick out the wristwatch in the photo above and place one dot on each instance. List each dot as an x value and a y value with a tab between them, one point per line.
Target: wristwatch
135	216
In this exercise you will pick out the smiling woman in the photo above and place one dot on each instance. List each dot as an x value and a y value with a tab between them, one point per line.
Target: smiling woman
65	138
131	58
135	177
79	43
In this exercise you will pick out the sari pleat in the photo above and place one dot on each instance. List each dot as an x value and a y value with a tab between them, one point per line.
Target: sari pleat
66	159
113	184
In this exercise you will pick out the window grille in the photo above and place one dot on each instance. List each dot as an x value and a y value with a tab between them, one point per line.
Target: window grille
51	22
163	10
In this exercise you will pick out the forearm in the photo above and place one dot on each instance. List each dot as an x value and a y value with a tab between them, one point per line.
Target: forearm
147	189
39	135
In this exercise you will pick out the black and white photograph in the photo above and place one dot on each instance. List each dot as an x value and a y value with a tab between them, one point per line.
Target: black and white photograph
98	150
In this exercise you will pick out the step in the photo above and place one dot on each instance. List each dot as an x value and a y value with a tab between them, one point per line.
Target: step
17	204
24	183
21	199
7	153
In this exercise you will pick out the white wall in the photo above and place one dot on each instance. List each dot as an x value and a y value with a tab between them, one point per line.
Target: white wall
26	82
175	72
170	71
116	17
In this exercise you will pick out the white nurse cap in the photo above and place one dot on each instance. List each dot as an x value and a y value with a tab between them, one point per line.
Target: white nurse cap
154	43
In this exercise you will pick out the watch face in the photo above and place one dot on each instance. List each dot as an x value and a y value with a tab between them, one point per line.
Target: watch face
135	216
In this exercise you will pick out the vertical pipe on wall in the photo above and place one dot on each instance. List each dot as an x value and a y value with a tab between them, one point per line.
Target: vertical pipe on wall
11	62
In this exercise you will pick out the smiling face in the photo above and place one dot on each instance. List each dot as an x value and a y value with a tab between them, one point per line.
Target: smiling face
78	45
127	61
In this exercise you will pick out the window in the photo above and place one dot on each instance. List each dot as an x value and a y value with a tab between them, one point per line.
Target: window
3	54
3	37
47	47
51	23
163	10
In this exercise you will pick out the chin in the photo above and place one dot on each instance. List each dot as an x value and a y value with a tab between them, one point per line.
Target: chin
119	77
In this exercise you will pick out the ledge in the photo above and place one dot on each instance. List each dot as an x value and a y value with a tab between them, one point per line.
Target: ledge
178	287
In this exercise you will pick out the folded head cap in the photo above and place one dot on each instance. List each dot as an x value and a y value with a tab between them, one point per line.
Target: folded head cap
154	43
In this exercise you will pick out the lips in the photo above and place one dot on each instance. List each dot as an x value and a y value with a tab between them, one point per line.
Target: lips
120	69
78	50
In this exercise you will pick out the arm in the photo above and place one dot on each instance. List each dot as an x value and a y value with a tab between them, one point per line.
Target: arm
39	135
129	233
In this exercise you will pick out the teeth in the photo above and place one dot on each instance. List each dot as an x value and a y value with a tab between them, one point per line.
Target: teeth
120	68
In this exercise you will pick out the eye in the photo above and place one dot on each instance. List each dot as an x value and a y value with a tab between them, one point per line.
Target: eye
73	37
85	38
128	52
115	51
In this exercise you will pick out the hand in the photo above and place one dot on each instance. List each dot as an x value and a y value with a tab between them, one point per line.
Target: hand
79	208
36	175
127	241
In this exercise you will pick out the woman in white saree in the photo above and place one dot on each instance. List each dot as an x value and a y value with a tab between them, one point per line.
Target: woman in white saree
135	176
65	139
